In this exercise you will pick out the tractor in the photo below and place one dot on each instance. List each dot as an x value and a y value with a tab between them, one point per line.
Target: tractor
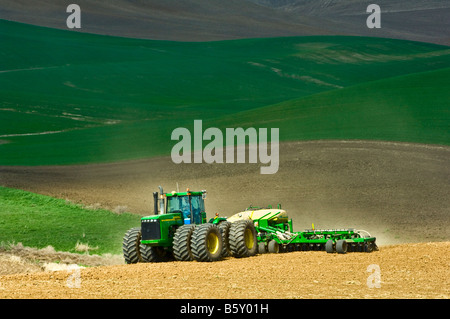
179	230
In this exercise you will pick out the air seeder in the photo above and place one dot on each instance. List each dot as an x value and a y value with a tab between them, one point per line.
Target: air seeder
275	234
180	230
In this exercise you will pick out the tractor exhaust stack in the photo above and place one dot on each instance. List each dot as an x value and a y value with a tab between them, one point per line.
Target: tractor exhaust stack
161	203
155	202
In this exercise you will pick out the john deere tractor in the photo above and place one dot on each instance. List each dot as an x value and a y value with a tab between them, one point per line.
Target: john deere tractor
179	230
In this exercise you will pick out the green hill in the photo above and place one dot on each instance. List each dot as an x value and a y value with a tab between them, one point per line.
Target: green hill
39	221
68	97
409	108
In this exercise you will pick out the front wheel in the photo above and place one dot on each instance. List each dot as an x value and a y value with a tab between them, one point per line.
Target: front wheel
207	243
182	243
130	246
150	254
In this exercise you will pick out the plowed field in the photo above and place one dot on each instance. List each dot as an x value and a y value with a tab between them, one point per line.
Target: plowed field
405	271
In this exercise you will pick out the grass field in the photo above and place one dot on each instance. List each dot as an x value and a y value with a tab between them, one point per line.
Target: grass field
39	221
69	98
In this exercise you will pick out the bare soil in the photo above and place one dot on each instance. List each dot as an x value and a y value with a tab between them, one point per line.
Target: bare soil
405	271
396	191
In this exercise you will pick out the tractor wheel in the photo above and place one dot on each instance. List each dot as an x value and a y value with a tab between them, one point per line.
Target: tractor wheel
130	246
150	254
273	247
262	248
329	246
341	246
224	228
207	243
243	241
182	243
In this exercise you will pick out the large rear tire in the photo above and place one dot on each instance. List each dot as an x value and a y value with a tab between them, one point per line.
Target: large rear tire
207	243
243	241
182	243
130	246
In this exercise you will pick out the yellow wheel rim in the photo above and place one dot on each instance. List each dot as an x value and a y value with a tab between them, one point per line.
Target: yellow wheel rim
248	236
212	243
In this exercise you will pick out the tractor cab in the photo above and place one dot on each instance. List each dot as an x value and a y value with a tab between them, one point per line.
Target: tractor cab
171	211
191	205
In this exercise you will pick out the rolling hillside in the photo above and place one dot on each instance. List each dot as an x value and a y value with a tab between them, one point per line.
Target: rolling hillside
83	98
410	108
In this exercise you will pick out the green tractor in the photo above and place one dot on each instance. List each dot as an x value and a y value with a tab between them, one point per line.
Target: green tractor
180	230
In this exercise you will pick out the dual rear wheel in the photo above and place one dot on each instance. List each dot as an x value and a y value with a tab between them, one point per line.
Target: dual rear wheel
208	242
197	242
242	239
